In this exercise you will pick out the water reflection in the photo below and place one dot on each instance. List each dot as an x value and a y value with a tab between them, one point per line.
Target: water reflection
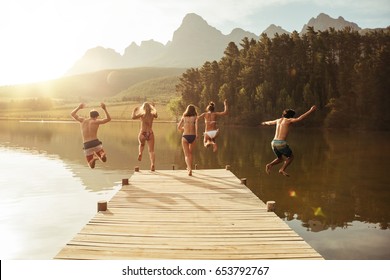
338	178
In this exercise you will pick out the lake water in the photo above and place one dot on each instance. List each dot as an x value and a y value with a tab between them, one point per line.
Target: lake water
337	197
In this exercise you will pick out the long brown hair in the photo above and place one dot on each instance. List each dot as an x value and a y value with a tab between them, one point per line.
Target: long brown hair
190	111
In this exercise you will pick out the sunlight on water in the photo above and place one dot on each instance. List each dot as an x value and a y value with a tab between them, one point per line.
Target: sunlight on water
37	220
344	243
333	199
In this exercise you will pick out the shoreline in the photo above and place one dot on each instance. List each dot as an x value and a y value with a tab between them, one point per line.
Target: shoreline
64	120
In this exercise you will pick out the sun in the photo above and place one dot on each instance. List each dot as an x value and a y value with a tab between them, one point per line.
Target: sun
39	45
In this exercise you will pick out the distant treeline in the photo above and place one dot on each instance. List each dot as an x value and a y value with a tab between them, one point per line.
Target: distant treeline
34	104
347	75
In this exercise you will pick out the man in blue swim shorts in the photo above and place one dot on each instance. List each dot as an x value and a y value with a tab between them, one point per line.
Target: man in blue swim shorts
279	144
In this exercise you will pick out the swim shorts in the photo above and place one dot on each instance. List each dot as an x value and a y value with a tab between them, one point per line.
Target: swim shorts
281	148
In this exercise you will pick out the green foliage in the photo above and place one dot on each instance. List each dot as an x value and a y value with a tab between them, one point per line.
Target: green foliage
159	89
342	72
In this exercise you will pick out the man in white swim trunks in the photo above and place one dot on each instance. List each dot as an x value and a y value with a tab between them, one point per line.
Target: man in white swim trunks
210	118
93	148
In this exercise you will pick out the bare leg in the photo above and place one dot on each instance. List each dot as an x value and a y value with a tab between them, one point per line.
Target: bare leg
272	163
141	141
191	147
187	155
286	163
92	160
206	141
213	141
215	147
152	155
101	155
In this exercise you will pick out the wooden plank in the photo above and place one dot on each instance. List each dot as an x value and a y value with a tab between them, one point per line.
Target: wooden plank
170	215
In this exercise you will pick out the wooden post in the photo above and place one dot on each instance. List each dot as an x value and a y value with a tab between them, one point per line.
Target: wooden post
271	206
136	169
125	181
102	205
227	167
243	181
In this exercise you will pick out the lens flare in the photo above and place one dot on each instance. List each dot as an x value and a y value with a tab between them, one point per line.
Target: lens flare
318	211
292	193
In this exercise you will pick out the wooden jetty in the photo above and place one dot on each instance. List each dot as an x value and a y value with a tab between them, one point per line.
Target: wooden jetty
167	214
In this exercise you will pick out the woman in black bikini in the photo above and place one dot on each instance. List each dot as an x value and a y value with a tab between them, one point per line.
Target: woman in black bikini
189	125
146	113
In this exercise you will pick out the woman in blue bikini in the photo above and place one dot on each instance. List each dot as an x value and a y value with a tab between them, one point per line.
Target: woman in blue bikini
189	125
146	113
210	119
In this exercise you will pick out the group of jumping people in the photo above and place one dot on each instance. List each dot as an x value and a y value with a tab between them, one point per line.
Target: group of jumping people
188	125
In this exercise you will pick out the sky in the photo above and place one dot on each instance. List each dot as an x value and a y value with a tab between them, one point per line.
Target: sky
42	39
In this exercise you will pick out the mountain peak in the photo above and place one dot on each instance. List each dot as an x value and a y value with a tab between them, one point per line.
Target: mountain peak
193	43
193	22
193	18
194	27
273	29
323	21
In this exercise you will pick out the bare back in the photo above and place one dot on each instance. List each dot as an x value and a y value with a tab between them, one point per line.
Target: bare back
210	120
147	122
282	128
188	125
89	128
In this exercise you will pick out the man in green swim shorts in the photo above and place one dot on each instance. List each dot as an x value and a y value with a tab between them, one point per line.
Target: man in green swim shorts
279	144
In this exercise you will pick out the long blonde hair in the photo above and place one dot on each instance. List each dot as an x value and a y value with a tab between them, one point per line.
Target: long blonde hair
147	109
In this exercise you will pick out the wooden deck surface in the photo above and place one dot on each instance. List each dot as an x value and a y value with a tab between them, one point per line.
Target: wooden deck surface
169	215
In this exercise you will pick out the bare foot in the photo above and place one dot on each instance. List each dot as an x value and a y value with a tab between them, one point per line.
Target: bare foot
189	172
139	157
152	168
284	173
268	168
101	156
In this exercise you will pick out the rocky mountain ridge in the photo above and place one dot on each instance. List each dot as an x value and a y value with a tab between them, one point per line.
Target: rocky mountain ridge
193	43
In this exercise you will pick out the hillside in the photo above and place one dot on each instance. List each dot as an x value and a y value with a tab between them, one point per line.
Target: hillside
156	90
91	86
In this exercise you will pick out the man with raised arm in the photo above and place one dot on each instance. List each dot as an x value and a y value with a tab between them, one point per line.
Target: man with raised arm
279	144
93	148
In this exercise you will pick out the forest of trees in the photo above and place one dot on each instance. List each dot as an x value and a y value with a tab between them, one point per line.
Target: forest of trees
346	74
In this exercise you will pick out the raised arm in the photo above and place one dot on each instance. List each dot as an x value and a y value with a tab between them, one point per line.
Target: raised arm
225	111
108	117
304	115
74	113
274	122
154	111
134	113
